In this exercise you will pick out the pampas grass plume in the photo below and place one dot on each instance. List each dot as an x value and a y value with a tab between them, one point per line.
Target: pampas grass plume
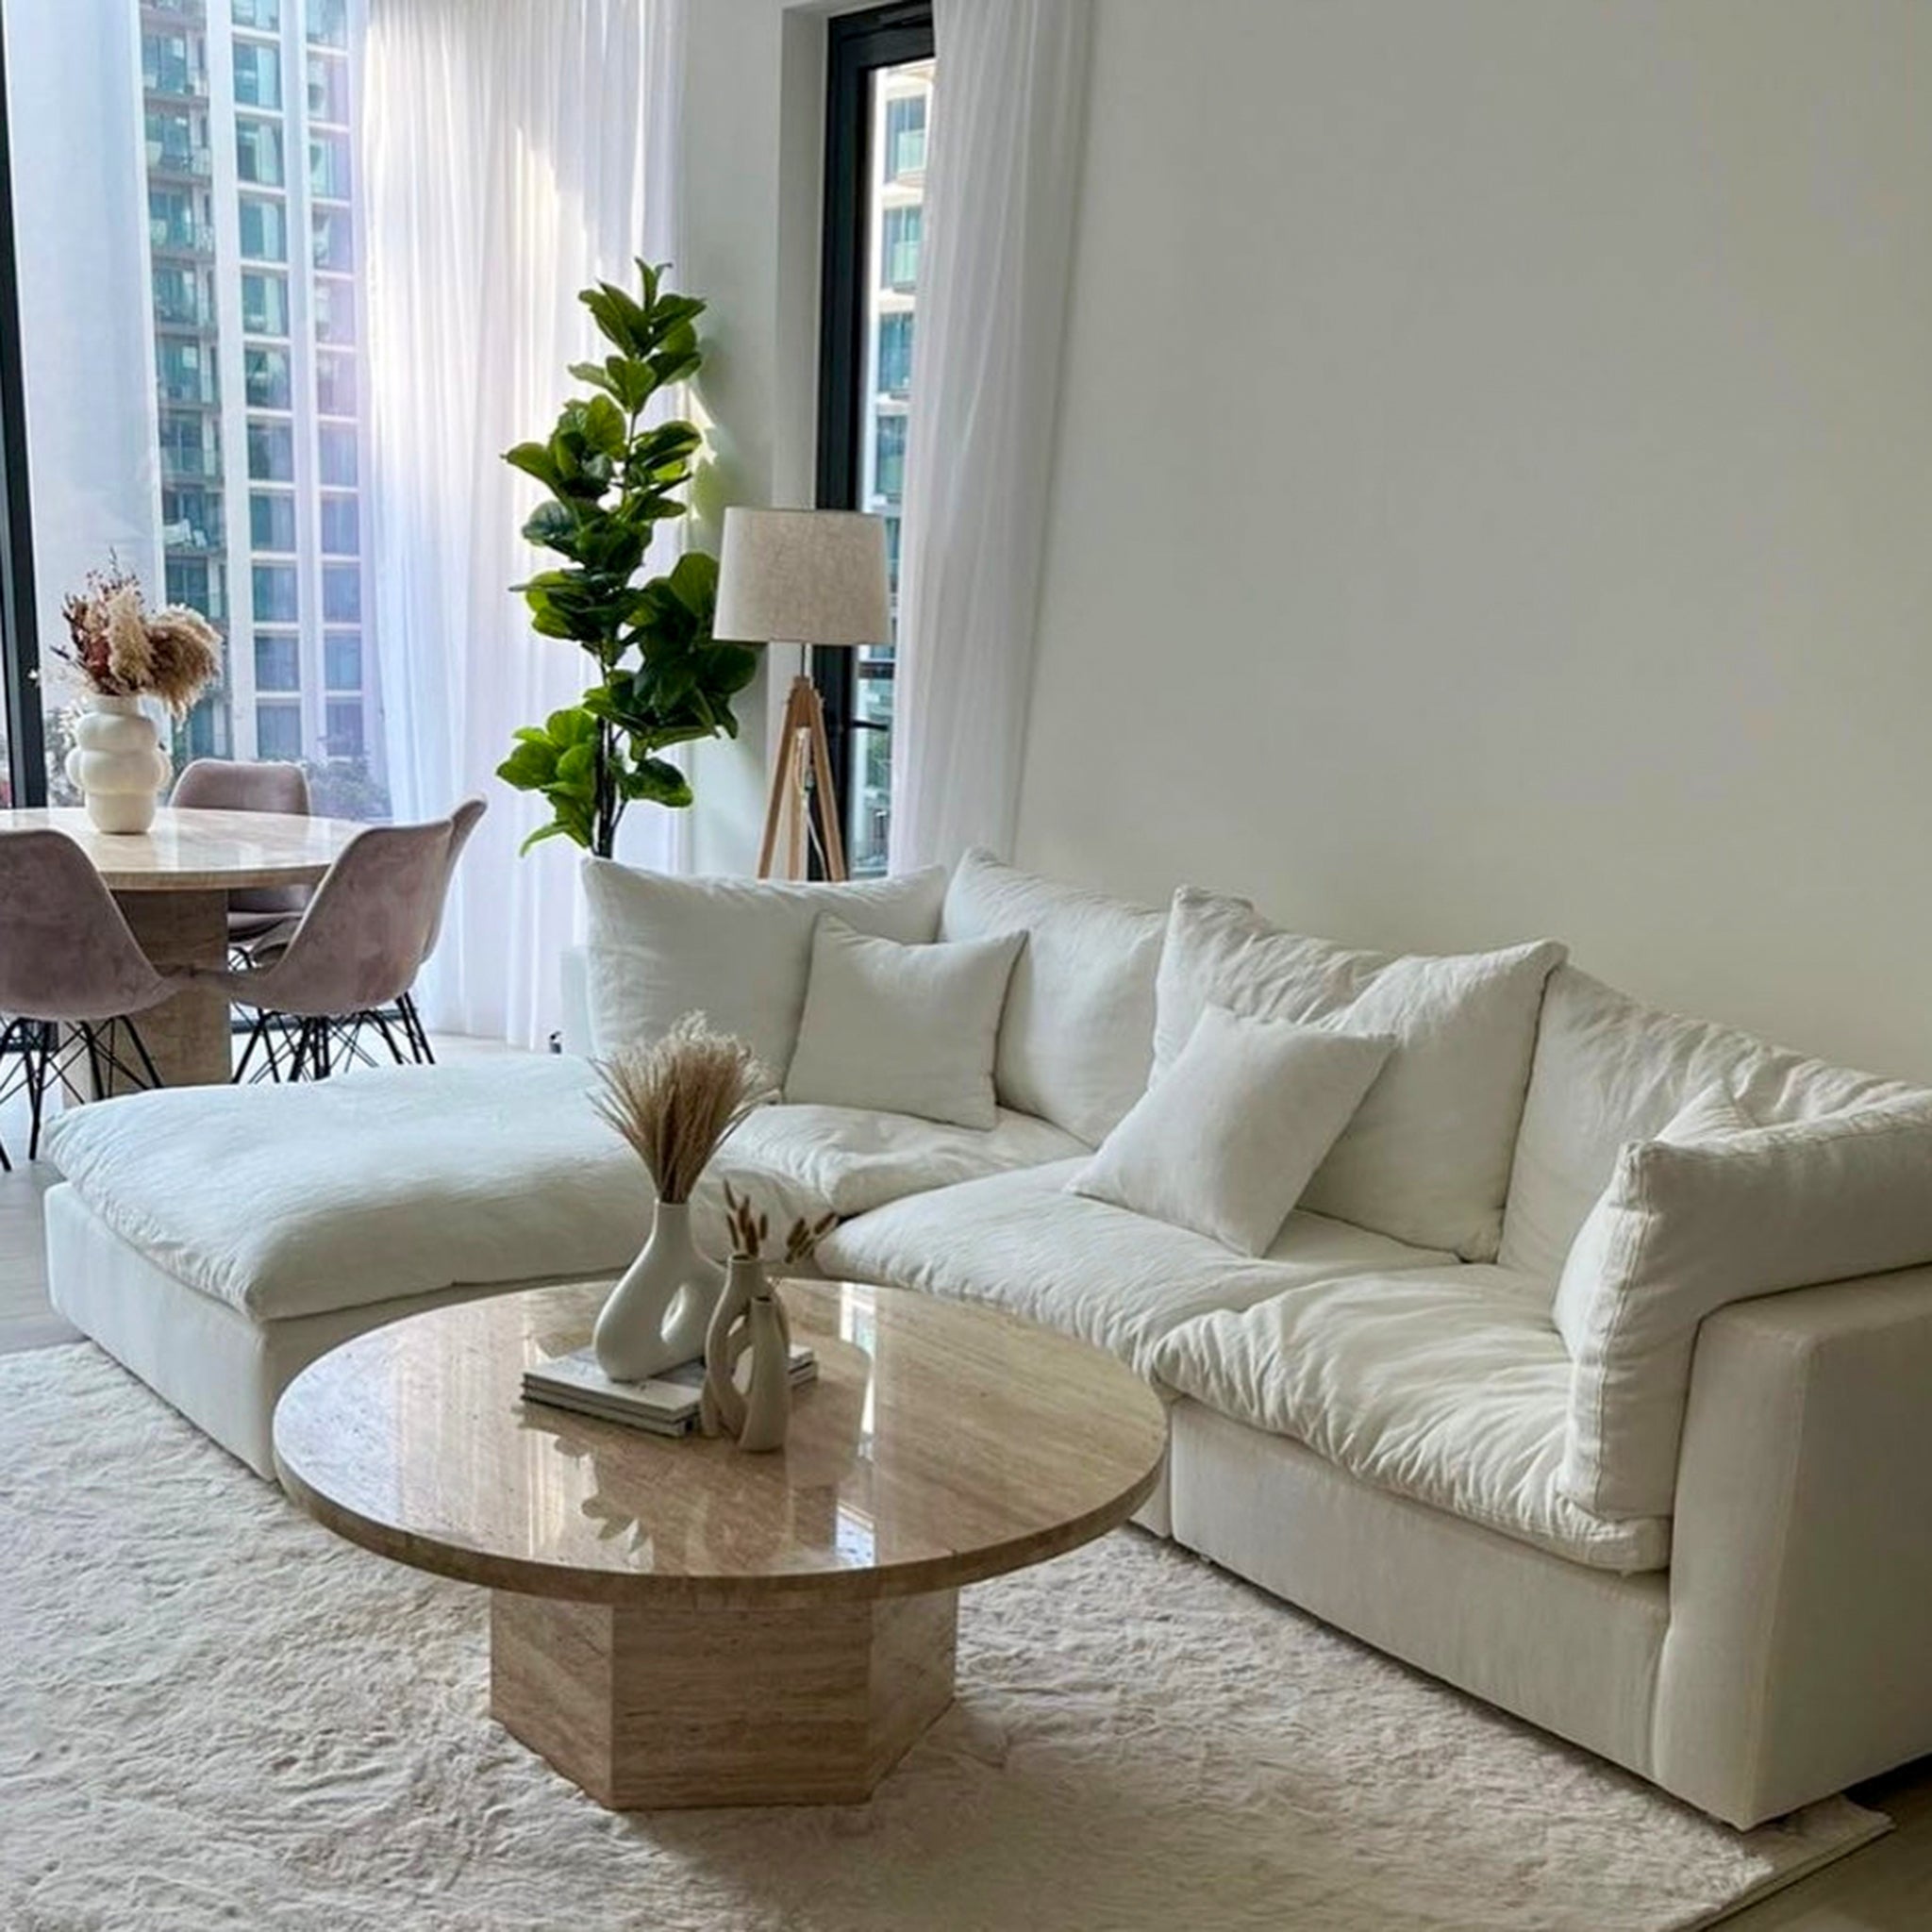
678	1099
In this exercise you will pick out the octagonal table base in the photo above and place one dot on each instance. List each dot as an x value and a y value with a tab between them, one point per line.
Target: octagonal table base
739	1705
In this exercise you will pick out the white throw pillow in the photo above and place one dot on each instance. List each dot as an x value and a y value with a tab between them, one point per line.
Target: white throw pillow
1427	1157
1608	1071
737	950
1077	1036
1706	1116
1684	1231
1226	1140
903	1029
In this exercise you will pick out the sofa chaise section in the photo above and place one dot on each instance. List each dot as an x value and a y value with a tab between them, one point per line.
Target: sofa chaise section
215	1241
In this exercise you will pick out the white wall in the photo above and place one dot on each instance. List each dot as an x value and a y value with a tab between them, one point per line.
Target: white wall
1494	489
753	135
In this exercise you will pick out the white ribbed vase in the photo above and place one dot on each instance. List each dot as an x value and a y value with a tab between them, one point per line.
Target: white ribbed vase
657	1313
118	764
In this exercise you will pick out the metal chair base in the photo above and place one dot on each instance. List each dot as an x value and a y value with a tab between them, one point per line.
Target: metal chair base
293	1047
50	1052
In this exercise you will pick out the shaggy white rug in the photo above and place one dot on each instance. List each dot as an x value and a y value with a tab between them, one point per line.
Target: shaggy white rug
214	1713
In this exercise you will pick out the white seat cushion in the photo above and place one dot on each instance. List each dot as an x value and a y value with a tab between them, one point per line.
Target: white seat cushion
1445	1385
1021	1241
1426	1157
1077	1035
1608	1071
854	1162
286	1201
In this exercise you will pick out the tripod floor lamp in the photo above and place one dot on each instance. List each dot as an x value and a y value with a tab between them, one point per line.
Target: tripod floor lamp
808	577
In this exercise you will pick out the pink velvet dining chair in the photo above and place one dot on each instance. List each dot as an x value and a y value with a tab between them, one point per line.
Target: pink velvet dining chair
72	977
353	955
229	785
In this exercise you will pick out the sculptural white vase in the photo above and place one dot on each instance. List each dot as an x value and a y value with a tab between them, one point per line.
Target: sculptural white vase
118	764
657	1313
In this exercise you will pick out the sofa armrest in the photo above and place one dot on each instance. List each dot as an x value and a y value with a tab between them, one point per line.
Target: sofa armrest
1799	1653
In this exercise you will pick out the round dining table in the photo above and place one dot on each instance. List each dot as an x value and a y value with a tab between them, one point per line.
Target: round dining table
171	883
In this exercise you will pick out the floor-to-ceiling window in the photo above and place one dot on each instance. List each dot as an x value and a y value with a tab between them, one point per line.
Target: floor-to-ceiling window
22	770
188	255
879	106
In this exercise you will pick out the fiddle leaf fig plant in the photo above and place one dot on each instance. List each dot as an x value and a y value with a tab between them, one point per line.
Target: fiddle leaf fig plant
660	677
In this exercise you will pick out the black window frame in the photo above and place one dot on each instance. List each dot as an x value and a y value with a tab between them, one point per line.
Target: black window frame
856	45
26	750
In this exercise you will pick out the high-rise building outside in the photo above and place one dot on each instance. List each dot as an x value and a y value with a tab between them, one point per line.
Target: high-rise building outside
254	242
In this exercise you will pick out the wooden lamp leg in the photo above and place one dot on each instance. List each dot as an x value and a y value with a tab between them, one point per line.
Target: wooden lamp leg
802	789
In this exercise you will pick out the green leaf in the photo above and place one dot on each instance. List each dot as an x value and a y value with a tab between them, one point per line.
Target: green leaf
552	524
534	460
573	725
554	829
660	781
529	768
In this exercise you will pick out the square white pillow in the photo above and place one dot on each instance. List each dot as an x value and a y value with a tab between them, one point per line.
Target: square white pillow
1078	1036
1706	1116
1683	1231
737	950
1427	1160
1226	1140
903	1029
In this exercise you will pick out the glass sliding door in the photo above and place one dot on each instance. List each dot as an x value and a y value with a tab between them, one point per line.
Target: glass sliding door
879	106
23	770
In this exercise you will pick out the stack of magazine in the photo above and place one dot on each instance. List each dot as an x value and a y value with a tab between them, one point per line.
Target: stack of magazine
667	1405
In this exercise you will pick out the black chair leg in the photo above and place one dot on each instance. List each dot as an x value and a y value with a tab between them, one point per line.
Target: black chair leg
141	1053
414	1031
39	1070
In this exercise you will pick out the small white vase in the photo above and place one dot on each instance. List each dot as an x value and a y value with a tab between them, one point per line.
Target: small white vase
118	764
657	1313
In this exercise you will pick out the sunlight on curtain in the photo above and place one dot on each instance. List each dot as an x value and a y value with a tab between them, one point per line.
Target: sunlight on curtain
515	153
1001	187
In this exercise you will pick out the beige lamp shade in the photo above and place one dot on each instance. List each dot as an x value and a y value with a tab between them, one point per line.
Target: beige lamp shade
803	576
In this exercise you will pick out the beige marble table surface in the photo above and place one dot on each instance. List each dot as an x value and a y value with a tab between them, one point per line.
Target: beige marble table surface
675	1621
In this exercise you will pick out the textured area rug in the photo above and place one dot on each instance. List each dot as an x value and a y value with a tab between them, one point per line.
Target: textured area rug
214	1713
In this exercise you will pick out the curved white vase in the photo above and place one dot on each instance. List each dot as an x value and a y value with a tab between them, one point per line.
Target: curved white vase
657	1313
118	764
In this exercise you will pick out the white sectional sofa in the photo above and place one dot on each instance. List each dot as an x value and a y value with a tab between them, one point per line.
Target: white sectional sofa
1377	1418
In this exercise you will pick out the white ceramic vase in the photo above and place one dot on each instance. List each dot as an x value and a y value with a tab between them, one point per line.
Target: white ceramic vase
118	764
658	1312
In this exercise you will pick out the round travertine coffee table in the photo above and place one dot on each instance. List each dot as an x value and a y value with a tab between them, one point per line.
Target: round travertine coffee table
674	1622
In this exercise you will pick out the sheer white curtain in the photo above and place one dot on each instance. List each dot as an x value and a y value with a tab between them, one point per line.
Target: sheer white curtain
1001	187
514	153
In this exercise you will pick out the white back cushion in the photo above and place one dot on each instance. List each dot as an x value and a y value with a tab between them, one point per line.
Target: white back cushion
1426	1157
736	950
1706	1116
1684	1231
1229	1137
1077	1036
902	1029
1608	1071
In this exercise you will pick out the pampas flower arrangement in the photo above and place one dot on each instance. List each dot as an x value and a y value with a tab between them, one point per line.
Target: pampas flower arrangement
122	652
675	1101
121	649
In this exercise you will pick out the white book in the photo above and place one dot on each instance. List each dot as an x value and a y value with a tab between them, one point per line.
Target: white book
668	1403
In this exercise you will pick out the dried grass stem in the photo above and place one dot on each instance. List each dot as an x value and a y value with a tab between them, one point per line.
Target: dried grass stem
678	1099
